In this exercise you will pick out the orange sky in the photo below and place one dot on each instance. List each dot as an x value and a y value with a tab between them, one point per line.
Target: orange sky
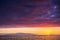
33	30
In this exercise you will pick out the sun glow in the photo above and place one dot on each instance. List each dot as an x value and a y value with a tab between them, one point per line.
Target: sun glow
47	31
40	31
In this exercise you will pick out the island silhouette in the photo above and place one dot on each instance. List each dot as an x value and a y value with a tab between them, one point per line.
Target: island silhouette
28	36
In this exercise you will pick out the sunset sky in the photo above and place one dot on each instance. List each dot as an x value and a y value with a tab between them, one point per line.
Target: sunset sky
30	16
28	12
34	30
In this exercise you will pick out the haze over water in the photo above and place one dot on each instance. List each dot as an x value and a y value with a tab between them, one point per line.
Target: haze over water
32	30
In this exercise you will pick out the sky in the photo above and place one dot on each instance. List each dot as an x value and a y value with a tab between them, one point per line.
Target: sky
37	31
30	12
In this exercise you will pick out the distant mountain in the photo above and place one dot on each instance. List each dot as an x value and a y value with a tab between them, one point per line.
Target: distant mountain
19	34
28	36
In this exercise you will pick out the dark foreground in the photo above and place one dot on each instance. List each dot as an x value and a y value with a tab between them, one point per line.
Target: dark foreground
26	36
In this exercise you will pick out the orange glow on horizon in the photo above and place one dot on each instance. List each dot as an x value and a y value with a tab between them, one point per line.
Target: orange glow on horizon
40	31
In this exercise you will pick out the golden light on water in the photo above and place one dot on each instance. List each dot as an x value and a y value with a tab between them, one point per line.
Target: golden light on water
32	30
